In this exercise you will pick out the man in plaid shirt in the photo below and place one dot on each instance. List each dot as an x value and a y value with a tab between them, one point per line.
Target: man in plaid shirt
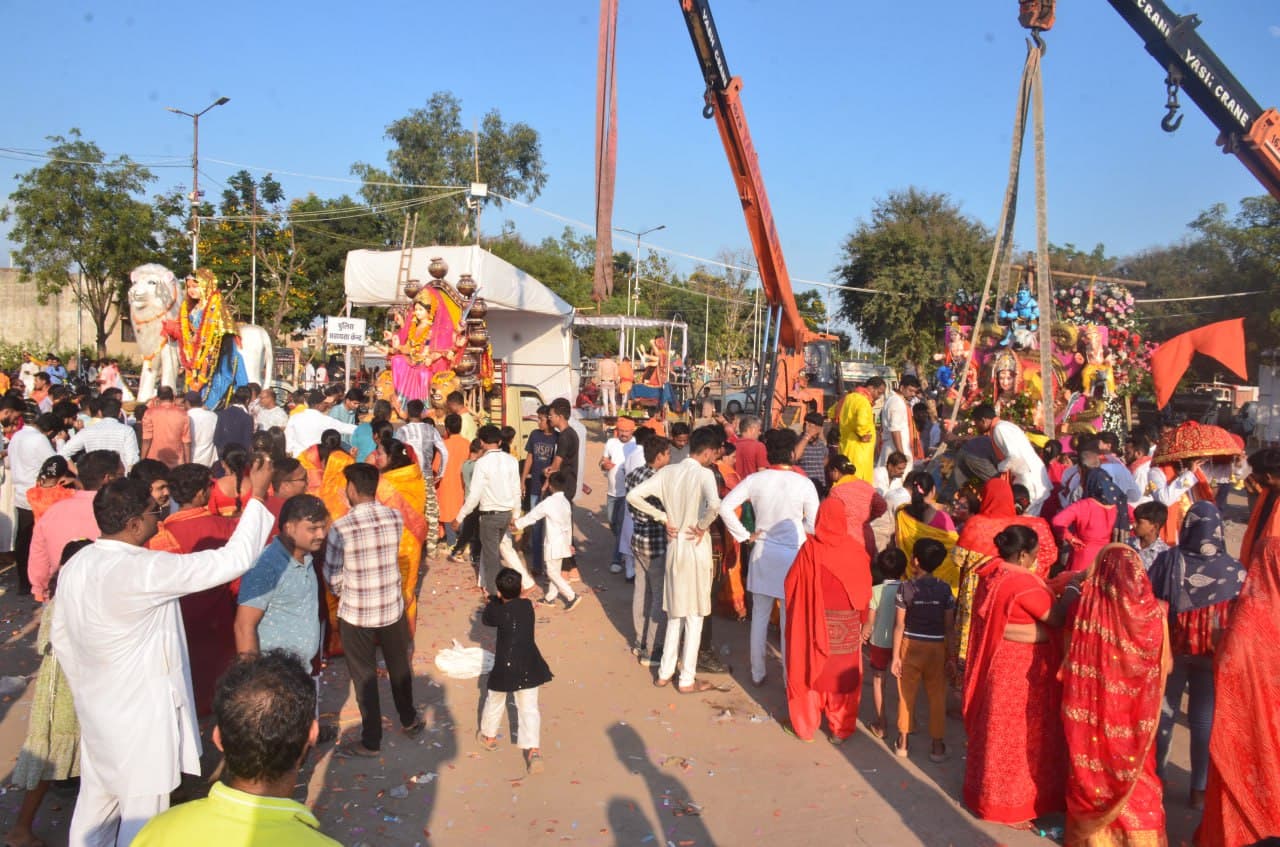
360	567
649	548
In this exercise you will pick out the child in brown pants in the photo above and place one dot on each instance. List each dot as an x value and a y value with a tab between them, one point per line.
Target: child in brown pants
925	615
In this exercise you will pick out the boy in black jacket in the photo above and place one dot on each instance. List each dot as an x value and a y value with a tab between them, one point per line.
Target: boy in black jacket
518	667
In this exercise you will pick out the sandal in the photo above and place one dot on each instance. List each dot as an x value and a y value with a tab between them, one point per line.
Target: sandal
790	729
533	760
697	687
490	744
900	747
356	750
661	683
938	753
876	729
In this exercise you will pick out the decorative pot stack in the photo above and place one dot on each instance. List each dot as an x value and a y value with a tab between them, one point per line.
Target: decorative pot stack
476	331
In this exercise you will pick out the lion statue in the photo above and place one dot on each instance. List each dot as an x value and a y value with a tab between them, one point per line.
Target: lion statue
153	300
154	297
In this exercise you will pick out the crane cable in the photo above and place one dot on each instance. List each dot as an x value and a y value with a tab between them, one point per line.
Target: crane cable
1030	91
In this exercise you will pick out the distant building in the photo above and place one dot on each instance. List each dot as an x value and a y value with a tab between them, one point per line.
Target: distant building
52	326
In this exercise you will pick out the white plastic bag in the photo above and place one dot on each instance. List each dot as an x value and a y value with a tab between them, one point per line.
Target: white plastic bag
458	662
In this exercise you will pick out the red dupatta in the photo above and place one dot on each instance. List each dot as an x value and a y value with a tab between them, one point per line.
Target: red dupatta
997	513
829	548
1113	684
1242	803
993	604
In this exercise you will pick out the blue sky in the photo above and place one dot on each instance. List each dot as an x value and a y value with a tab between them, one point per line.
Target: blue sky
846	100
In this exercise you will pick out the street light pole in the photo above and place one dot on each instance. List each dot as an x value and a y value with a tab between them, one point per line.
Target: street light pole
195	174
633	284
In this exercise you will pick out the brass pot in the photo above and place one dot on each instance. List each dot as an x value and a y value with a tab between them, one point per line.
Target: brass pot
479	308
465	365
478	335
466	285
412	287
437	268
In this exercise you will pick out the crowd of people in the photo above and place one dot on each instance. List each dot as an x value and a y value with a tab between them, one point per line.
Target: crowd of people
1059	598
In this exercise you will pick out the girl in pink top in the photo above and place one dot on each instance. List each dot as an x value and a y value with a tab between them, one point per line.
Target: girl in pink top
1093	521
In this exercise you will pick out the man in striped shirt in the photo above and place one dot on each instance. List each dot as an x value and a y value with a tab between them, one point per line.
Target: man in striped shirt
649	549
360	567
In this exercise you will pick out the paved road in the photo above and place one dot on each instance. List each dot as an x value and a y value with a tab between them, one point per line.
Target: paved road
626	763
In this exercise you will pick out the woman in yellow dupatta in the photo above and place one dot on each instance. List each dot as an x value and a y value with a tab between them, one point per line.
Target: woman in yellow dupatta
403	488
323	463
921	518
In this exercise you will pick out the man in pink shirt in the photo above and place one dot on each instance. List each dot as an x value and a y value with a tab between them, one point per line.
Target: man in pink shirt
166	431
69	519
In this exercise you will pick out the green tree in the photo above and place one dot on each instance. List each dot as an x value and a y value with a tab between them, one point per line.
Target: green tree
324	231
80	214
227	243
915	252
434	152
1252	241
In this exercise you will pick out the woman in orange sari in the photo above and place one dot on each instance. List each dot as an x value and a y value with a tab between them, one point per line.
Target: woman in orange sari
1012	697
323	463
231	491
731	593
1242	801
1112	688
401	487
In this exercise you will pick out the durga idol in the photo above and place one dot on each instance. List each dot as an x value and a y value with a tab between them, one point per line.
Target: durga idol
426	343
207	342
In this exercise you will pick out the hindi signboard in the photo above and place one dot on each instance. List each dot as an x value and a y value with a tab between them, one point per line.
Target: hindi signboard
346	331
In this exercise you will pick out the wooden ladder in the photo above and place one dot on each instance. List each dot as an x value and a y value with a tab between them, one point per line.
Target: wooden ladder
406	249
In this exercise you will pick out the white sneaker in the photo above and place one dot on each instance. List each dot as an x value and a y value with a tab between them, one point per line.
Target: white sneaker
615	568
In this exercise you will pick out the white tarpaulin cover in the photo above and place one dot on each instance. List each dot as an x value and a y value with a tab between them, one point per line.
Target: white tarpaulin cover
529	326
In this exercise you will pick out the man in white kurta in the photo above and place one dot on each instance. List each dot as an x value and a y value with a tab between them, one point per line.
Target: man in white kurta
785	503
690	500
1014	455
117	632
895	421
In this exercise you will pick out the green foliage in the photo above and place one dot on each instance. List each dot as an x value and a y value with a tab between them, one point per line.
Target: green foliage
1224	254
433	148
325	244
918	249
79	214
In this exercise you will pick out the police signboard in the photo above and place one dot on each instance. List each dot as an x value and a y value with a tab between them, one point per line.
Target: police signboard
348	331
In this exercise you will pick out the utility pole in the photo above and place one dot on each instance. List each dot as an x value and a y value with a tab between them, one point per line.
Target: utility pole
253	257
633	284
195	174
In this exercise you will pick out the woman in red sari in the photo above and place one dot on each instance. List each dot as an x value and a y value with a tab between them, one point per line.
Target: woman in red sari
1242	802
1012	696
828	590
975	552
1112	690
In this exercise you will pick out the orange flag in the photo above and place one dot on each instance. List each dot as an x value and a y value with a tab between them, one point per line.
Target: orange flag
1223	341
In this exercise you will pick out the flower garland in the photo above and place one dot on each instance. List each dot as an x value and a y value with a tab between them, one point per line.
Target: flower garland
1109	305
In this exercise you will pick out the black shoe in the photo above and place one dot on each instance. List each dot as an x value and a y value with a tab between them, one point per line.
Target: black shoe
709	662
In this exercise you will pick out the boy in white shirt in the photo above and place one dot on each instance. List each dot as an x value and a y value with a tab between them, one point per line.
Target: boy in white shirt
892	564
557	539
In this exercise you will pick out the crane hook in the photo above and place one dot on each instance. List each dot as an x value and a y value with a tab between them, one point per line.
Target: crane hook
1172	120
708	110
1040	45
